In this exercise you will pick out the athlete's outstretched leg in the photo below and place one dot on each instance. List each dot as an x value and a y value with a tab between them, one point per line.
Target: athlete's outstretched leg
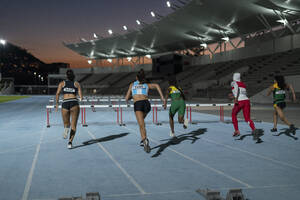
275	119
66	119
140	119
74	114
171	121
247	115
281	116
236	109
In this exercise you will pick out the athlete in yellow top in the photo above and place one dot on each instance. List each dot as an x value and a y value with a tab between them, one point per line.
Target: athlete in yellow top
278	89
177	105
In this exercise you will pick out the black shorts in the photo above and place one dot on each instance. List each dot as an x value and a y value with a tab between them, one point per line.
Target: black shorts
281	105
143	105
69	103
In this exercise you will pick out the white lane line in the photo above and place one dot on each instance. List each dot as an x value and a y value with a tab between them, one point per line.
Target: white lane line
31	172
200	163
131	179
248	152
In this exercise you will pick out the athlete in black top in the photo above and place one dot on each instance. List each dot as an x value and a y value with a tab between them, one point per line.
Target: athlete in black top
70	106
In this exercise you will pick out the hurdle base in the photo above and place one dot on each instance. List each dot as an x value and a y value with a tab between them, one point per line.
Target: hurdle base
84	125
158	124
48	126
194	122
122	124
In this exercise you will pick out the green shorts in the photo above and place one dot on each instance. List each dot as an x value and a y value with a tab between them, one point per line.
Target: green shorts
177	106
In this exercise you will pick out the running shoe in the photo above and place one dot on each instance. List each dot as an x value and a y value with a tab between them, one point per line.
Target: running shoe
186	123
147	148
236	133
172	134
274	130
70	145
141	143
66	132
293	129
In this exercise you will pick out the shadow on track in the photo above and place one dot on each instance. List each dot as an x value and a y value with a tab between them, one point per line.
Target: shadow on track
192	136
103	139
255	137
288	132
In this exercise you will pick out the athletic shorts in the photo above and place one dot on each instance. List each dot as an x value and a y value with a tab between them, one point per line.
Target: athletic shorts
143	105
281	105
69	103
177	106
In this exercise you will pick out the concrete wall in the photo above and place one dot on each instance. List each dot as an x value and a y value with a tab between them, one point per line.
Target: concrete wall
294	81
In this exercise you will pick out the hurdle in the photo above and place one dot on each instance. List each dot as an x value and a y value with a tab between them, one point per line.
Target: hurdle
119	111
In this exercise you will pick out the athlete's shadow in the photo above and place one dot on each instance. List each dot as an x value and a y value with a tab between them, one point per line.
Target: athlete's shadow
255	137
103	139
192	136
287	132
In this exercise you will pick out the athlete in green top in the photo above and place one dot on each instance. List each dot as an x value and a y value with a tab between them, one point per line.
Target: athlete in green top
278	89
177	105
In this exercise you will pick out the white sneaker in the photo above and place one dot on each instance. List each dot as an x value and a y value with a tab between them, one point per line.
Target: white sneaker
172	134
186	123
70	145
66	132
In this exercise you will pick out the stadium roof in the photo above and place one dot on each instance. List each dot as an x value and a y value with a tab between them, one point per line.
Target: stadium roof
193	23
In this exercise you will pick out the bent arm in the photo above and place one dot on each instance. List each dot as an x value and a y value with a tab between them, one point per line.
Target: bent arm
127	97
271	88
293	92
58	91
79	90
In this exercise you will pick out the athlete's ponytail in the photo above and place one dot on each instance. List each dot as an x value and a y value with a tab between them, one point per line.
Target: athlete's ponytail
141	76
280	81
70	75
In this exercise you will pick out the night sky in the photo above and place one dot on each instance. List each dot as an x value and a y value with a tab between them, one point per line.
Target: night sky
40	26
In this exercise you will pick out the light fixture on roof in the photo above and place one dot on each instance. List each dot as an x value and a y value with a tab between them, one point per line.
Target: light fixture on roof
39	76
3	42
226	39
138	22
34	73
152	14
203	45
129	59
283	21
90	61
83	40
148	56
109	60
169	4
110	32
95	36
125	28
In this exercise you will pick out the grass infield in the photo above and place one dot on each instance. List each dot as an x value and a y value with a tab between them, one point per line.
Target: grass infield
10	98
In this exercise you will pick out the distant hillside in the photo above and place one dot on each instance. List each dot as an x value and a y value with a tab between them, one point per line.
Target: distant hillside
21	65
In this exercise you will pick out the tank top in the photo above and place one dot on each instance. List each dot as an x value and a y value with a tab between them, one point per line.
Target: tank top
69	88
278	94
175	93
239	88
138	88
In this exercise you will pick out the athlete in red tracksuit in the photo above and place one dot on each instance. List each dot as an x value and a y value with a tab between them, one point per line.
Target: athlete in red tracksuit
241	101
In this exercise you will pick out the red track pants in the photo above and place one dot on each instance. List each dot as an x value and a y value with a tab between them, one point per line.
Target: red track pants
245	105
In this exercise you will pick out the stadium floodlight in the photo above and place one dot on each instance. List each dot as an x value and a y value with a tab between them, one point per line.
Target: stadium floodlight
3	42
148	56
152	14
90	61
39	76
169	4
125	28
283	21
203	45
138	22
110	32
95	36
34	73
226	39
109	60
129	59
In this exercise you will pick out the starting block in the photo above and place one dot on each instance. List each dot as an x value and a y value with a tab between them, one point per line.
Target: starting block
235	194
210	194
